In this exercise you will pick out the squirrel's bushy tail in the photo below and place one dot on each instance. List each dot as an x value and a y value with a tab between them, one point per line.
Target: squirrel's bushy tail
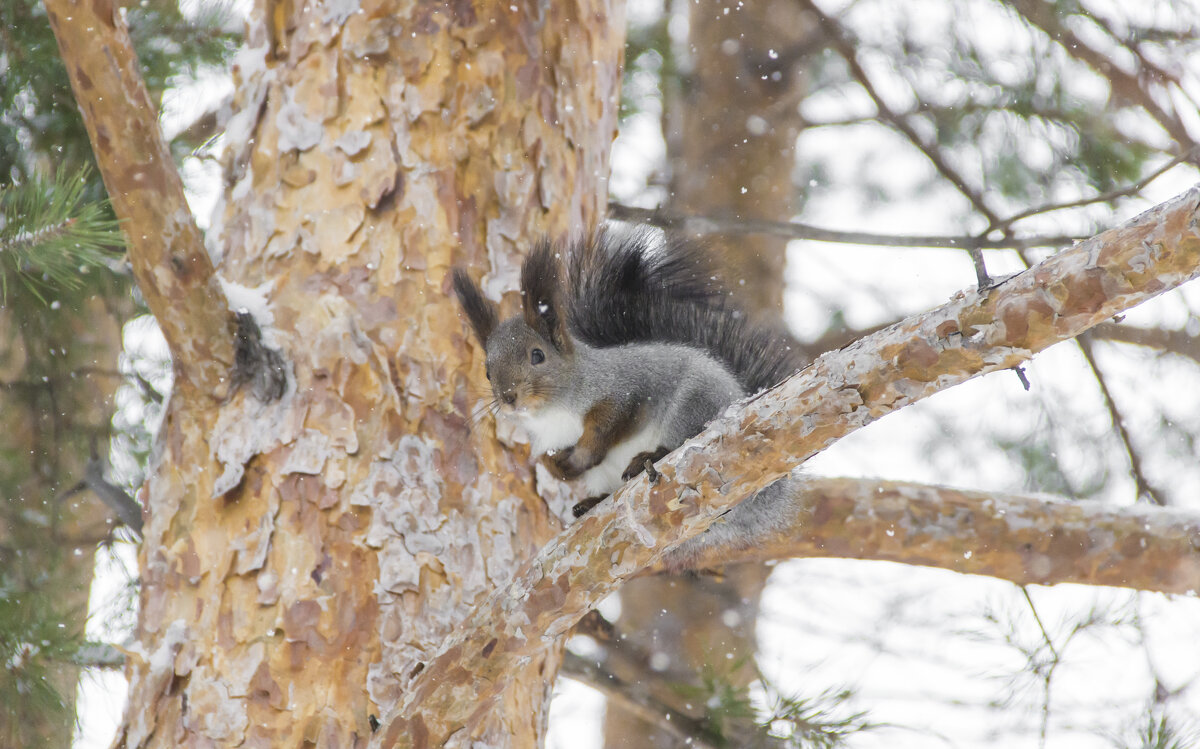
629	287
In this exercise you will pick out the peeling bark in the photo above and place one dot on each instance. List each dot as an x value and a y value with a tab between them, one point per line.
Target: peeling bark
166	248
304	558
1026	540
764	438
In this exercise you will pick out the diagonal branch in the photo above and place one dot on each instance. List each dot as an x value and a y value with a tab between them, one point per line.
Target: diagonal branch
839	39
166	249
1179	342
127	510
1107	197
765	437
634	697
1027	540
1144	487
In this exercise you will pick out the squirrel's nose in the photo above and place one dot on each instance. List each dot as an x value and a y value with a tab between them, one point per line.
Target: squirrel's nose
509	398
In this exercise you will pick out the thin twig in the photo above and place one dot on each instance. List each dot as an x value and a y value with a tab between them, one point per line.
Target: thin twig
1144	488
1155	70
127	510
701	225
842	42
98	655
1121	192
633	699
1038	619
1124	85
1048	676
1178	342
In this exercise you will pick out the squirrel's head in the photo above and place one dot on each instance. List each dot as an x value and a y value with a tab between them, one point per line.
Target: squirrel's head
530	357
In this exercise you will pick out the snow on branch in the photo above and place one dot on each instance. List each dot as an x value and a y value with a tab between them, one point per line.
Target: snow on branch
166	249
764	438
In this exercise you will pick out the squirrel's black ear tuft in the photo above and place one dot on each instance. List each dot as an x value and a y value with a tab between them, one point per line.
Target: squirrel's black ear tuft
542	296
480	311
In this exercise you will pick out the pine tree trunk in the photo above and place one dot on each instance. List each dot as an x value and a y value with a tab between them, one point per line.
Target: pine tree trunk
305	557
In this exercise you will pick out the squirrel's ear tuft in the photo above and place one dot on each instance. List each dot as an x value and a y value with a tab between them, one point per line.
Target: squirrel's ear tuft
480	311
542	296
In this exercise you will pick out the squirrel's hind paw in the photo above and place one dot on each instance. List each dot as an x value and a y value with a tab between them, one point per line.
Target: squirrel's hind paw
582	507
644	461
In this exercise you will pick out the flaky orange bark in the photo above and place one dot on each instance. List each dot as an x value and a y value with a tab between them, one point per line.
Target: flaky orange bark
1027	540
763	439
303	558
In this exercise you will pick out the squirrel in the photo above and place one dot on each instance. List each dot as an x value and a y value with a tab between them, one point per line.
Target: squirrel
624	349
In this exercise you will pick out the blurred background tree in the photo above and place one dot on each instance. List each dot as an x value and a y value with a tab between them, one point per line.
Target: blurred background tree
65	298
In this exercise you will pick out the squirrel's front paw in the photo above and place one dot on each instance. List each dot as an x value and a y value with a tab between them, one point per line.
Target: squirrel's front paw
563	465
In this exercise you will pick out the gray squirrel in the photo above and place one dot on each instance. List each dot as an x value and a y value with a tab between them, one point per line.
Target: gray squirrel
625	348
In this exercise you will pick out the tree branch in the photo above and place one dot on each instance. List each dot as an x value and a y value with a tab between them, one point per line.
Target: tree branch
1170	341
700	225
626	665
764	438
99	655
127	510
166	249
840	40
1026	540
1106	197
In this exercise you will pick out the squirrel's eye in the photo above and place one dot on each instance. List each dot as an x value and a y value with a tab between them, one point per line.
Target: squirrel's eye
488	373
536	356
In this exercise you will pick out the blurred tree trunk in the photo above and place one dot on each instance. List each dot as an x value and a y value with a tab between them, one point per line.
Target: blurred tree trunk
304	556
731	126
732	123
58	373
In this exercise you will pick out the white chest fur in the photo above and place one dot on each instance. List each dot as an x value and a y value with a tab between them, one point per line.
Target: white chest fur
552	428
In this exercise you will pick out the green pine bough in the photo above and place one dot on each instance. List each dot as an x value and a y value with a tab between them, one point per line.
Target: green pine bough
51	235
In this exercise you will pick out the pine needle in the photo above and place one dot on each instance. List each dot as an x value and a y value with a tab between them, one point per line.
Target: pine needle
51	235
